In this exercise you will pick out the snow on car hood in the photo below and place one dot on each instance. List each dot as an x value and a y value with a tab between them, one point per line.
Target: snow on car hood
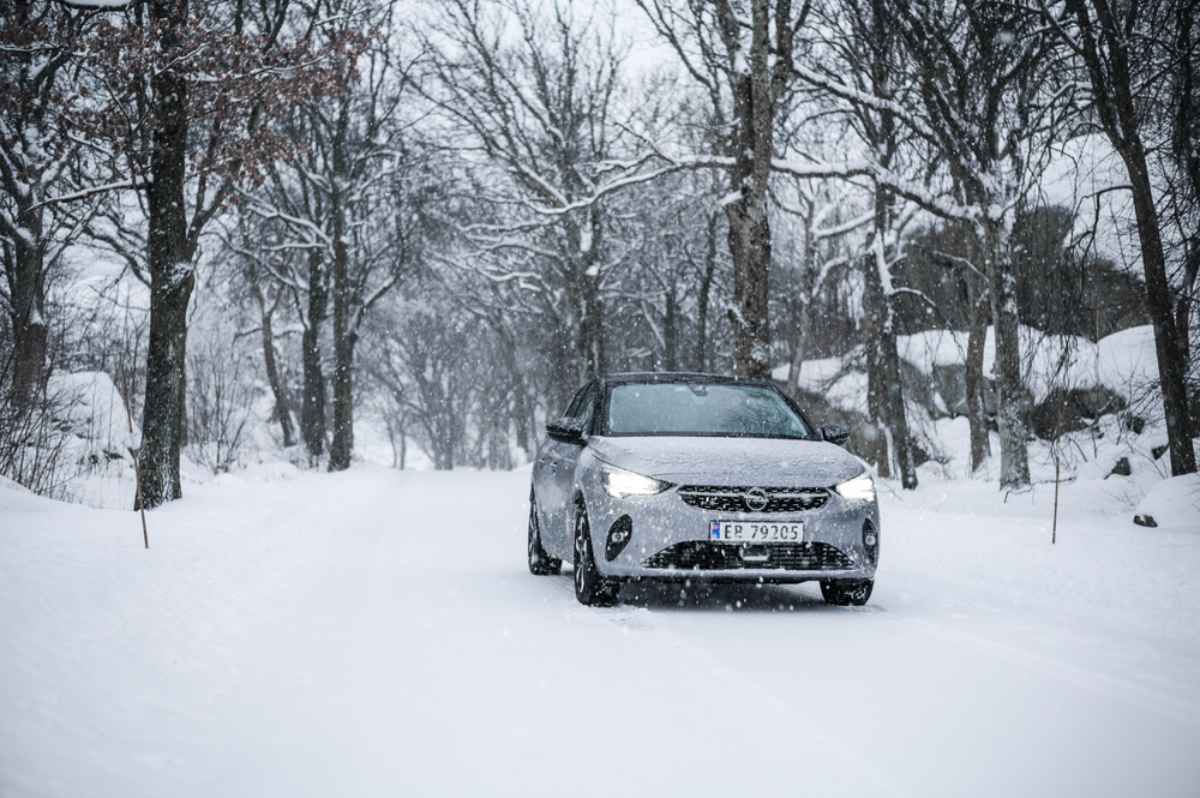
770	462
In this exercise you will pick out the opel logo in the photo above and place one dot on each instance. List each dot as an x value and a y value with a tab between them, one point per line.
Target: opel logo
755	499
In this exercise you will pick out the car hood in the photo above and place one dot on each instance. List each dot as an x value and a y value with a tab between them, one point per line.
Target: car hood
770	462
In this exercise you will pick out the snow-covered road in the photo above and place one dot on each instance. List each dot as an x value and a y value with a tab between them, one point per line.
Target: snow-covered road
377	633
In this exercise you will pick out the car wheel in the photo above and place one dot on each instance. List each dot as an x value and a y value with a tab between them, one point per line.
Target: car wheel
845	593
591	588
540	563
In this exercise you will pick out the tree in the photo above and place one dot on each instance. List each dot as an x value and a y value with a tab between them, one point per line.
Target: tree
188	90
985	109
869	74
540	108
39	165
745	66
291	212
372	186
1117	46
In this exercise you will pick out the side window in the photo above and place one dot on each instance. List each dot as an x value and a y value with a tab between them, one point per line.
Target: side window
587	409
576	403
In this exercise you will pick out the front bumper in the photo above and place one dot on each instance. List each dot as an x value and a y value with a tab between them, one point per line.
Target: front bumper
670	540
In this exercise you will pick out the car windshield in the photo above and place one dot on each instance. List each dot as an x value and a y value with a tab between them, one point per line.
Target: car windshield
701	408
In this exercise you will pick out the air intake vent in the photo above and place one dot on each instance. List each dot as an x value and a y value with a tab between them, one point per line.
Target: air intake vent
702	555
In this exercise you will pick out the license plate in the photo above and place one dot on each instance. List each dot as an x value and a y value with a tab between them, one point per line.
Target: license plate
757	531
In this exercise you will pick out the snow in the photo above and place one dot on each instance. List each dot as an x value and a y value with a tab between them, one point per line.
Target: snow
1174	503
1124	362
376	632
95	410
842	386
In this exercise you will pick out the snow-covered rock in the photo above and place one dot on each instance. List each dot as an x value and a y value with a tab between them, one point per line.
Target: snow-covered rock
1173	503
93	410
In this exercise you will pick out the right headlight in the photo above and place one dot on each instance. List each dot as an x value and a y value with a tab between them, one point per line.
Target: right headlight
859	489
620	483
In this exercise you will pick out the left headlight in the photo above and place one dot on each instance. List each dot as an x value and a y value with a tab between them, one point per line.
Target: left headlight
859	489
620	483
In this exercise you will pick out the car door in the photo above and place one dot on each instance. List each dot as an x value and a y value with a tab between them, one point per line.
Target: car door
559	459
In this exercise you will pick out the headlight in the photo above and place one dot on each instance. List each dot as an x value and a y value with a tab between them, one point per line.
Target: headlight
859	489
620	484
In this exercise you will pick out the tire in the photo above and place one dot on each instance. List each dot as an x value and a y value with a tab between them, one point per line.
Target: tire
540	563
845	593
591	588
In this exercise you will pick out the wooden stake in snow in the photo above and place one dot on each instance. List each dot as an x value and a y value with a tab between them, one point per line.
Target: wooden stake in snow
1054	523
141	506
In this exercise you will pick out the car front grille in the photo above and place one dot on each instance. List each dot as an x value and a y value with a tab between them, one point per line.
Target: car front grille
733	499
703	555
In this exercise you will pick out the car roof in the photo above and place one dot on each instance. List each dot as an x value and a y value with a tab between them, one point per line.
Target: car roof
679	376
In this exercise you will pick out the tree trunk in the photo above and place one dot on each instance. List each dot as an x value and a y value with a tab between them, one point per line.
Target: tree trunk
519	398
590	342
885	391
283	407
171	273
981	447
341	449
884	386
312	411
749	221
1012	403
22	183
1172	367
796	362
750	245
30	332
670	333
158	459
702	299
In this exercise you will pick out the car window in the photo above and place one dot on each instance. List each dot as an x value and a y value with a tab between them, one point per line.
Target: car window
576	402
702	409
587	409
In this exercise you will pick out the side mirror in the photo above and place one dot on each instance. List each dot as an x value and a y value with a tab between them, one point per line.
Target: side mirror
835	433
565	430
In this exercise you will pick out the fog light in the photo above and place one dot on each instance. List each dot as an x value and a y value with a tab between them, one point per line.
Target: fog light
619	535
870	539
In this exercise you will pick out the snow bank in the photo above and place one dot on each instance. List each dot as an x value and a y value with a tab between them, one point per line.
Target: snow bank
1127	362
94	410
1123	362
1047	361
1173	503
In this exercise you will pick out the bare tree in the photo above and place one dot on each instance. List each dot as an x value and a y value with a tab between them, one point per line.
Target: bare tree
979	67
39	169
188	91
540	106
1122	49
745	65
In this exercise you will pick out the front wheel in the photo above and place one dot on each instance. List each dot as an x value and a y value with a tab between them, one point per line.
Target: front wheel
591	588
845	593
540	563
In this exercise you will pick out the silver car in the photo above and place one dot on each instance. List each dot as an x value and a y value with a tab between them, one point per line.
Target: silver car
698	477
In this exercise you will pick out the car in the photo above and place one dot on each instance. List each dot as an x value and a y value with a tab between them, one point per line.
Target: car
669	476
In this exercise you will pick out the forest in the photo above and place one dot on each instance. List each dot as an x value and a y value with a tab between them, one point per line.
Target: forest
328	230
